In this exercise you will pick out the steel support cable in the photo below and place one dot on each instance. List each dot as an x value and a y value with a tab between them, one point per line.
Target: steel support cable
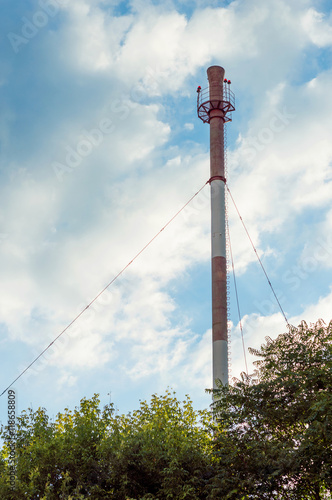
237	296
103	290
259	260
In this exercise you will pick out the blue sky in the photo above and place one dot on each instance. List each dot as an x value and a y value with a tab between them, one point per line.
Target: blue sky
100	145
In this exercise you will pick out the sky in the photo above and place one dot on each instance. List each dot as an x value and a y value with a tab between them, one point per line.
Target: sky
100	146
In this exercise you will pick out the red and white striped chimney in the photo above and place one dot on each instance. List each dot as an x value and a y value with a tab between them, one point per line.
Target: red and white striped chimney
214	107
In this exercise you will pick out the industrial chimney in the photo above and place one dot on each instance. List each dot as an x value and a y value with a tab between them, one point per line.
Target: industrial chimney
214	106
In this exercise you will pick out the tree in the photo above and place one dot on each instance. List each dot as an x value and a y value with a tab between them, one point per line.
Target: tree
271	438
159	451
61	458
275	427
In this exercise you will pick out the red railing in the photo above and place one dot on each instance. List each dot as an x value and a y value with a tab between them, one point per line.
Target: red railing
206	101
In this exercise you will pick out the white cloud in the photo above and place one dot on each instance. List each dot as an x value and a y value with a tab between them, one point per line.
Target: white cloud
160	47
282	166
189	126
321	310
255	329
94	38
318	27
67	380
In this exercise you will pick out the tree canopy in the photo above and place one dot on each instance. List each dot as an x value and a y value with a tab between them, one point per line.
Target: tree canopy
269	436
159	451
275	428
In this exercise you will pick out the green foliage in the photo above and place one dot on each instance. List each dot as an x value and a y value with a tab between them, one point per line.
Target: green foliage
275	428
160	451
271	438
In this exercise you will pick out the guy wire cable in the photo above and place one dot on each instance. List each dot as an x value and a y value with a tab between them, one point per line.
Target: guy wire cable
259	260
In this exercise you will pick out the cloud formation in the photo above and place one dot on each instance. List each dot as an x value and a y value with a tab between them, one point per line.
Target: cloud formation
101	147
